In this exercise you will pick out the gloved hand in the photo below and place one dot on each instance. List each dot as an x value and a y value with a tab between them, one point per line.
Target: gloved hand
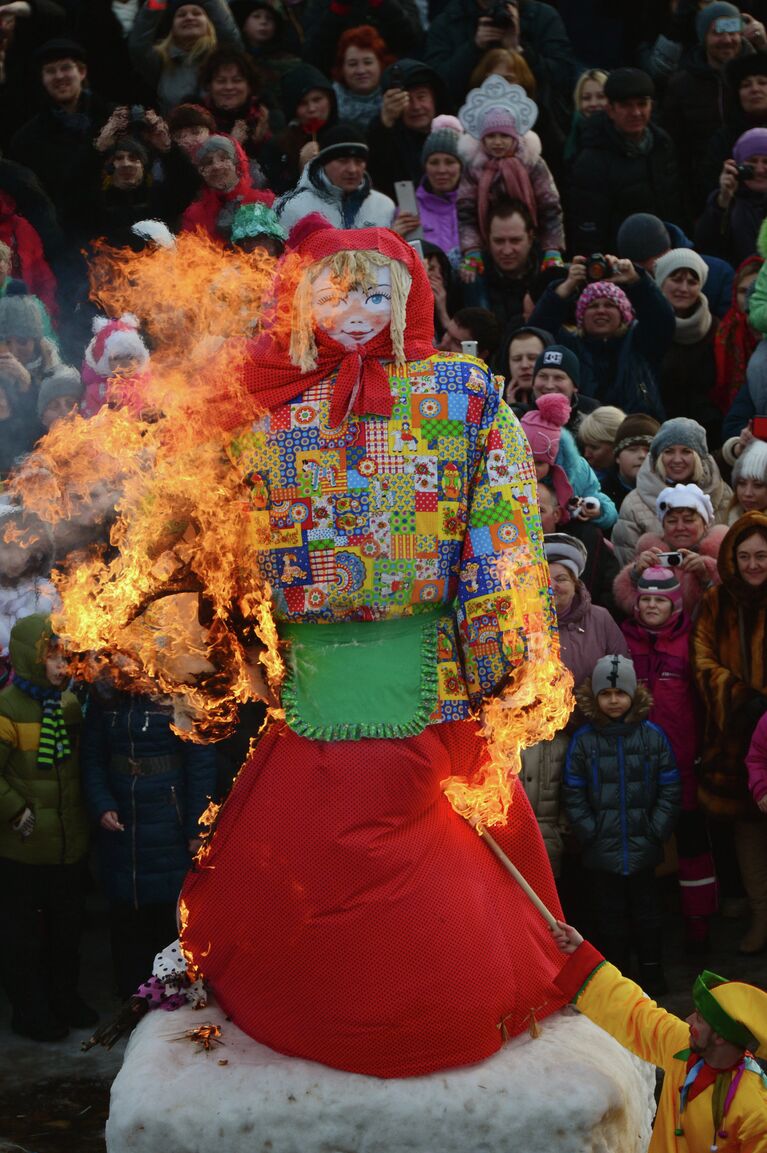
24	823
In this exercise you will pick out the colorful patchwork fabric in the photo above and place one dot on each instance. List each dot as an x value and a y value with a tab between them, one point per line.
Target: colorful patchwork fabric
388	517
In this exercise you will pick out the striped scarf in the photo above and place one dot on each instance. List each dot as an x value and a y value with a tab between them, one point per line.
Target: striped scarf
54	744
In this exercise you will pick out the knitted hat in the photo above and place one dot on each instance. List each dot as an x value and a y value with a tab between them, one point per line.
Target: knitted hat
601	425
642	237
339	140
637	428
64	380
132	145
680	430
734	1010
498	120
558	356
614	672
685	496
446	131
256	220
751	464
736	71
543	425
678	258
20	317
751	143
114	338
561	548
628	84
659	582
59	49
190	116
216	143
707	16
604	289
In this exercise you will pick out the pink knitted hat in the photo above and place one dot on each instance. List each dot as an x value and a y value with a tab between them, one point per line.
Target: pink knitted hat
499	120
659	582
604	289
543	425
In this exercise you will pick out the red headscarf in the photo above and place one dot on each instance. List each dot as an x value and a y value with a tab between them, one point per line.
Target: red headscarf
734	342
362	384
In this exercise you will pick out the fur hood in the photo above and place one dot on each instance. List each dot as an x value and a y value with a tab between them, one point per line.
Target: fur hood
726	560
587	703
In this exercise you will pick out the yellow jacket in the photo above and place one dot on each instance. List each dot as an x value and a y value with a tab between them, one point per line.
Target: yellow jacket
620	1007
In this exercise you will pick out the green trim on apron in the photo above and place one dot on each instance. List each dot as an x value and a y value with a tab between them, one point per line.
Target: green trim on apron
360	679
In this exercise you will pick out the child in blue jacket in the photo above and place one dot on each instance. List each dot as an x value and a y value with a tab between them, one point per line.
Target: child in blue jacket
622	796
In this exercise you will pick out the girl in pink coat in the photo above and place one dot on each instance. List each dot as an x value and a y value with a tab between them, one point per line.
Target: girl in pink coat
658	637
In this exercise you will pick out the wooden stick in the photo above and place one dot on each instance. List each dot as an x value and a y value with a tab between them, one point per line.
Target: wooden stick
545	912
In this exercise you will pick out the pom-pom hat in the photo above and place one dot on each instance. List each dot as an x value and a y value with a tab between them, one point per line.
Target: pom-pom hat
685	496
604	290
118	337
444	138
543	425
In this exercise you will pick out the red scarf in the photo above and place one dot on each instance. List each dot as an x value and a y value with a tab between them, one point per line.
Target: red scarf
734	342
362	383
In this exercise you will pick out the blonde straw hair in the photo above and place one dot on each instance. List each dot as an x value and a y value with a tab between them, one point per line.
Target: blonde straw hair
349	270
196	54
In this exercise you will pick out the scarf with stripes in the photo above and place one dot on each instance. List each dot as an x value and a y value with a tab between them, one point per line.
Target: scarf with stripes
54	745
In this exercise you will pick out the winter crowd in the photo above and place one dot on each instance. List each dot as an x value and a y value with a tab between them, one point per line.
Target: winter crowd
586	185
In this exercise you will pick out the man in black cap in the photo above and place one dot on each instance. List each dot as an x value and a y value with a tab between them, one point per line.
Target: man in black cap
413	94
336	184
57	143
694	97
627	164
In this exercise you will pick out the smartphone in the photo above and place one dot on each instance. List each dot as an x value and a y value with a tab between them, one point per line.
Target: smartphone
418	249
728	24
759	427
396	76
469	347
404	190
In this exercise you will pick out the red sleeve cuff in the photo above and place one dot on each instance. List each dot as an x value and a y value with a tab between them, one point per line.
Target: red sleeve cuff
579	967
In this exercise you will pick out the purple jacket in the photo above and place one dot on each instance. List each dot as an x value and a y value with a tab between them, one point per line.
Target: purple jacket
439	220
662	663
586	634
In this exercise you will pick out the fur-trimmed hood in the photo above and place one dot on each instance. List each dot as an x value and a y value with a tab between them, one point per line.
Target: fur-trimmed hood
587	703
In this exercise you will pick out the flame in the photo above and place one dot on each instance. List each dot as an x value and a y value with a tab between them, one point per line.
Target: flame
534	704
157	607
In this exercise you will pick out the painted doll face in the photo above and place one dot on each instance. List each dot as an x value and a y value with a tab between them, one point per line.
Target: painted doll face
351	316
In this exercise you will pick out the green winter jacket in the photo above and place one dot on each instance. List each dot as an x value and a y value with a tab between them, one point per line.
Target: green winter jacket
60	835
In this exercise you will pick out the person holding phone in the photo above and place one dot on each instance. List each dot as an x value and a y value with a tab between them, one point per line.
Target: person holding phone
694	99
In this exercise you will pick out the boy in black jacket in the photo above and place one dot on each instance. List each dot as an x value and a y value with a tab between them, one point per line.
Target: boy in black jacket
622	795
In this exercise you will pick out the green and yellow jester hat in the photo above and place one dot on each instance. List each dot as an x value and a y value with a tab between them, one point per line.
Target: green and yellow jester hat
734	1010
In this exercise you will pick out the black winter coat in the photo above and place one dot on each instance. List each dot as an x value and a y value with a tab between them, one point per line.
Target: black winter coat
692	113
146	864
622	790
547	50
622	370
611	179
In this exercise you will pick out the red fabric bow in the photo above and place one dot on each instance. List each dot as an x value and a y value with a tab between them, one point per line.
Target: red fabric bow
362	383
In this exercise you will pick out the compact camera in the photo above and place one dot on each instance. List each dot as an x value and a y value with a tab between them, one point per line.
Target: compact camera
670	559
746	172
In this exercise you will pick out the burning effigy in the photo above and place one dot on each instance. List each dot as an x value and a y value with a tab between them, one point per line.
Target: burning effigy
333	517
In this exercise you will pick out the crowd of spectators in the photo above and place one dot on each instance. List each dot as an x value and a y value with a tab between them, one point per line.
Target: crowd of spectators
587	185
